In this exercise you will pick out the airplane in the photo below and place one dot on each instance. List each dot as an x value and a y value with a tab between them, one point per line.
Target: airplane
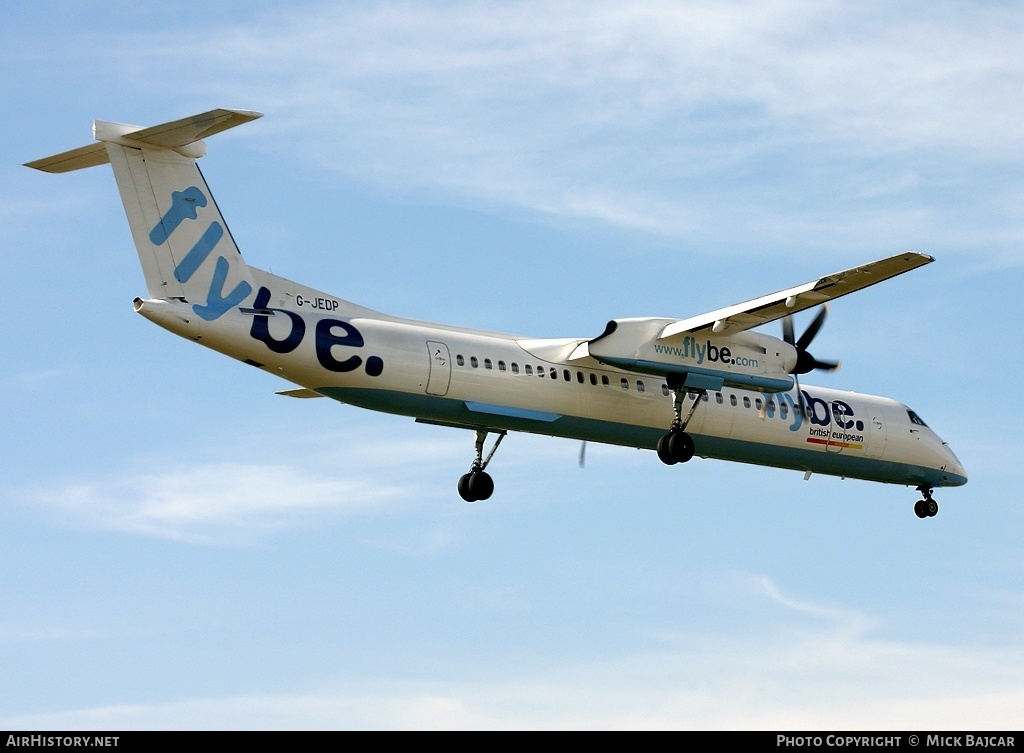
704	386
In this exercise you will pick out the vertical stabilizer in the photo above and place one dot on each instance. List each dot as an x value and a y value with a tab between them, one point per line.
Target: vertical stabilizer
183	242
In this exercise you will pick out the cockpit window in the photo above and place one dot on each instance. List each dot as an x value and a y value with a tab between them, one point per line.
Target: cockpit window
915	419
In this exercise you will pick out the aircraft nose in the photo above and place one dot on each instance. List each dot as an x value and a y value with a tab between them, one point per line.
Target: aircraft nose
952	469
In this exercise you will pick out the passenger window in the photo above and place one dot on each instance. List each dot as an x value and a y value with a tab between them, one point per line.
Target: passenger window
639	386
473	362
501	365
554	373
758	403
460	360
515	367
624	383
783	410
528	369
704	397
567	375
604	380
664	390
487	363
593	378
732	400
718	398
746	401
579	377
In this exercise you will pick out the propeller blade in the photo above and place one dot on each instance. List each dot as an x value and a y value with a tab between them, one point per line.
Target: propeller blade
826	365
805	362
812	330
787	330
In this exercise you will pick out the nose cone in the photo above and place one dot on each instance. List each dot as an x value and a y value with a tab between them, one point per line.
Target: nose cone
953	473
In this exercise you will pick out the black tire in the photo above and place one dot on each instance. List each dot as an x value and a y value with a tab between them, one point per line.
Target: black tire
680	446
931	508
464	490
664	453
481	485
919	509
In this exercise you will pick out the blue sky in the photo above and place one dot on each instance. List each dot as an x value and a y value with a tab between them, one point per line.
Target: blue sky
181	548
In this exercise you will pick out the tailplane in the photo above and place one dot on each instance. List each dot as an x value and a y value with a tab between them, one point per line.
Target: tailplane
183	242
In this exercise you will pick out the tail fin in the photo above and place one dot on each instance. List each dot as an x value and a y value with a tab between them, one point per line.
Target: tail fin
183	242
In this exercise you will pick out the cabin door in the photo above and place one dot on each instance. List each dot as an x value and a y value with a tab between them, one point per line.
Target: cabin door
440	368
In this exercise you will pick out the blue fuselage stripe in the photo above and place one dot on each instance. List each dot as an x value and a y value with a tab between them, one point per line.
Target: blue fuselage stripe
512	412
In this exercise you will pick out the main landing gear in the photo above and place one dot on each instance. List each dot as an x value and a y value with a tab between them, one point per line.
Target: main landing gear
477	485
927	507
677	446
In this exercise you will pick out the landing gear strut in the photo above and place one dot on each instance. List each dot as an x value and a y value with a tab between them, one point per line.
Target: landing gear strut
927	507
477	485
677	446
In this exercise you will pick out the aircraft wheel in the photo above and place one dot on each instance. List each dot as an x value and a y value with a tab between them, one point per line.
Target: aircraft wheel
664	450
464	490
680	445
481	485
931	508
920	510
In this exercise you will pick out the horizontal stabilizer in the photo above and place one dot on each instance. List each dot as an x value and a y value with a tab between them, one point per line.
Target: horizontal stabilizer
183	136
177	133
301	393
76	159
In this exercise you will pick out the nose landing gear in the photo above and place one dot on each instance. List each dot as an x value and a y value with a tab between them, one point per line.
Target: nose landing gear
477	485
926	507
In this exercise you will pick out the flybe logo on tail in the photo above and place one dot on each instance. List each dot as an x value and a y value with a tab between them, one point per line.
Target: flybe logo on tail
185	206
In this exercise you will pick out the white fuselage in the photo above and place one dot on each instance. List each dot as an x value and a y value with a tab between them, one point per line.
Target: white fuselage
481	380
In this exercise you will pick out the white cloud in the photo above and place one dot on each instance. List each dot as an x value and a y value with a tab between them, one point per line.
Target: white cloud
299	481
234	502
635	115
40	379
798	671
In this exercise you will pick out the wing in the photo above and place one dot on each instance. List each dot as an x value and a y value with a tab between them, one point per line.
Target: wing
744	316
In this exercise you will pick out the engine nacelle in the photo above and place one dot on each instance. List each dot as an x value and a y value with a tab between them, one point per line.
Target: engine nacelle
747	360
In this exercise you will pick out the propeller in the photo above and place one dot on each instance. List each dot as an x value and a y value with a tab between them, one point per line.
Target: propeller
805	362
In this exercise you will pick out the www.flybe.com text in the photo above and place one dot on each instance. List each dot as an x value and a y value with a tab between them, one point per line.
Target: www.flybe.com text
701	351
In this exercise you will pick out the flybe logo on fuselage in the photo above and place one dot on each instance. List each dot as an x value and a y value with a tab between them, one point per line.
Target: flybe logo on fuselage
327	334
185	205
820	414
